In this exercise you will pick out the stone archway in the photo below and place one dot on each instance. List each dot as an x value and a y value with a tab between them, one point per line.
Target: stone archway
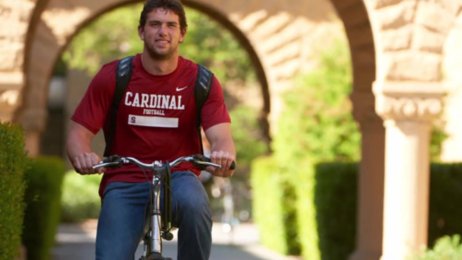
280	56
276	35
274	38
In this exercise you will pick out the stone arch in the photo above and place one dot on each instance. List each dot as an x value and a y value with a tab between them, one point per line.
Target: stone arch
274	35
50	40
245	43
356	22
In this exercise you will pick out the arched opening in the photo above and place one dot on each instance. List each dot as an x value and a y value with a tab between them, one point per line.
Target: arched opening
76	81
361	46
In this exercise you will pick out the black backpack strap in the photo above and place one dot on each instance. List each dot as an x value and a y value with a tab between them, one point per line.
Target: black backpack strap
201	92
123	75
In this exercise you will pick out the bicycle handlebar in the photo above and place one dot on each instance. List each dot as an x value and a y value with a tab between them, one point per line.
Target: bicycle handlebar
198	160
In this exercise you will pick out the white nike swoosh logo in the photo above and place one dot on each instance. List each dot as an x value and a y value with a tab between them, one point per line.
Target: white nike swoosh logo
178	89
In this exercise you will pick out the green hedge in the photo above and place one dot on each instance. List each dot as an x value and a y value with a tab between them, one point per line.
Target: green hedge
302	176
80	198
13	161
43	199
327	203
445	216
269	205
335	195
336	184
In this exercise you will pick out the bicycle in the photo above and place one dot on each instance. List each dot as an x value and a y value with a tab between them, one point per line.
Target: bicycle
159	224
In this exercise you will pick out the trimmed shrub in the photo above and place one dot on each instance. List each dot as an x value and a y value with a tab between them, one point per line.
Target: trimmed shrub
335	200
325	223
80	198
13	162
43	196
269	205
303	182
445	201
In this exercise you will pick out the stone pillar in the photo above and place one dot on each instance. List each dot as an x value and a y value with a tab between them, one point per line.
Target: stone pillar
406	188
370	179
408	110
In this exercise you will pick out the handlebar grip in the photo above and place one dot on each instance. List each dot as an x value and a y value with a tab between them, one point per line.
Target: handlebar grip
201	157
110	161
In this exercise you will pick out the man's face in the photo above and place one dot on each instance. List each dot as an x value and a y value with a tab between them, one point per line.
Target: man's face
161	34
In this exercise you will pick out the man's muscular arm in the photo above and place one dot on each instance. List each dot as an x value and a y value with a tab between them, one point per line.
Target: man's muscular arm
79	149
222	148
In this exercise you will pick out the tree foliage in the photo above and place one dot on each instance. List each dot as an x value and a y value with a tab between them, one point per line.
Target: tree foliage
317	120
115	35
110	37
247	136
208	43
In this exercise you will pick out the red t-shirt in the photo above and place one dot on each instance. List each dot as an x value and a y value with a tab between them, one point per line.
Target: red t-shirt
156	119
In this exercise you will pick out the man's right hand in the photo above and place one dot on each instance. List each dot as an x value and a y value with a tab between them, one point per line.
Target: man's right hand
83	163
79	149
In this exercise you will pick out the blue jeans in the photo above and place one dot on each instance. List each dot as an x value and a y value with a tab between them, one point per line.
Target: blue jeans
123	211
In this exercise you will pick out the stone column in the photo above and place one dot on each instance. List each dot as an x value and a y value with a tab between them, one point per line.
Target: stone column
370	180
408	110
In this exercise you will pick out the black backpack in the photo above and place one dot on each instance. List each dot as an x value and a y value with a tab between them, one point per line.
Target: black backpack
123	75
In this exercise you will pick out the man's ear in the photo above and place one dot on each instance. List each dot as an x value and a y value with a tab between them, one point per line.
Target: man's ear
182	35
141	33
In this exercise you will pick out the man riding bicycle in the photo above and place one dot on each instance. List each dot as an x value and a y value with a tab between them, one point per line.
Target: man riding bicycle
156	120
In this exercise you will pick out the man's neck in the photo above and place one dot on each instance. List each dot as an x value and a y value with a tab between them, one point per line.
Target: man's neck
159	67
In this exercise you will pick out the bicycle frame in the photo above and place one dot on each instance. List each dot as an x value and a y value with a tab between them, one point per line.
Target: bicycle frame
159	222
159	225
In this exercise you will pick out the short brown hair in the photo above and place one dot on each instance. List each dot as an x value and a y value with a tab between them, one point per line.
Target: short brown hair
173	5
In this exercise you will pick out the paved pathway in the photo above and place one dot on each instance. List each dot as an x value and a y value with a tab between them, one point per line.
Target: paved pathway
76	242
